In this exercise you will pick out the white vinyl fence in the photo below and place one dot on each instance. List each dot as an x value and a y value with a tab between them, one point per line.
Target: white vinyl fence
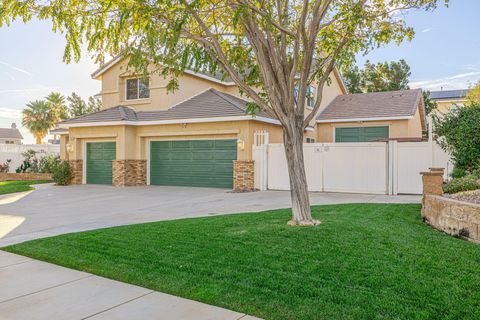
14	152
376	167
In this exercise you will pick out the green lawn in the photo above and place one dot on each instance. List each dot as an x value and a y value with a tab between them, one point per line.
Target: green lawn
18	186
365	261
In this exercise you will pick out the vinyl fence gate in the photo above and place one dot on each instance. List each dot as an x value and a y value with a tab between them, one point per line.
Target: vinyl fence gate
372	167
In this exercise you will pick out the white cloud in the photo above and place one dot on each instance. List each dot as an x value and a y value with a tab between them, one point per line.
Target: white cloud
426	30
16	68
10	113
458	81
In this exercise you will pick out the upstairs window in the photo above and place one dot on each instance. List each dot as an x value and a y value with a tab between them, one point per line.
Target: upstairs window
310	96
138	88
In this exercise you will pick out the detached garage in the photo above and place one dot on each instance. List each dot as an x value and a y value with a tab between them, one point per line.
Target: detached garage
196	163
99	157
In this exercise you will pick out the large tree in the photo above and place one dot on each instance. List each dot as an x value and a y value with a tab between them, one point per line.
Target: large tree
272	49
38	118
57	104
78	107
383	76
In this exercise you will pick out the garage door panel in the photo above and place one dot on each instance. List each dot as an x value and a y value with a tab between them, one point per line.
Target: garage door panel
99	162
203	144
201	163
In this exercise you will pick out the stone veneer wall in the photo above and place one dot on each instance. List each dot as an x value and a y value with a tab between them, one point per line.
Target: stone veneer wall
243	175
127	173
24	176
76	167
457	218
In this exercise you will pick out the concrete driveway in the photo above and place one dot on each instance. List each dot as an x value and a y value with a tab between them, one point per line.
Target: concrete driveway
52	210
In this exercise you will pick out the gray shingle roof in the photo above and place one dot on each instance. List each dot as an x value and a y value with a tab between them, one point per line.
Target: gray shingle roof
448	94
10	133
390	104
208	104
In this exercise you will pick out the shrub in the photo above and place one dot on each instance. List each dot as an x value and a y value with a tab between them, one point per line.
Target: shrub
62	173
462	184
458	132
5	167
48	163
458	173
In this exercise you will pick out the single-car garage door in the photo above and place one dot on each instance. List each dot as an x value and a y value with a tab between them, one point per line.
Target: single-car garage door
360	134
199	163
99	162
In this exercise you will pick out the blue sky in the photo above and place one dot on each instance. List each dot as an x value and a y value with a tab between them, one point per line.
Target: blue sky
444	53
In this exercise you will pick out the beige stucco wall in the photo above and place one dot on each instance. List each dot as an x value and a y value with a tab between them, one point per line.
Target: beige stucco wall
114	82
132	141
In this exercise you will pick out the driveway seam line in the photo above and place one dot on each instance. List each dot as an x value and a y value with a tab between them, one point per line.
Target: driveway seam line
45	289
16	264
118	305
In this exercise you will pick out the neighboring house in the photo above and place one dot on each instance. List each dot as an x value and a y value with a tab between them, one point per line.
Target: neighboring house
448	99
198	135
10	135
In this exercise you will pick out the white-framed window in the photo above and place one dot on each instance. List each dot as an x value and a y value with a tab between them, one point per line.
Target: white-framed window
137	88
310	96
310	140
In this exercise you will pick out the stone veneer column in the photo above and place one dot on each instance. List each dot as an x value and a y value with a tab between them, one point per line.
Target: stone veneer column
76	168
433	181
243	175
126	173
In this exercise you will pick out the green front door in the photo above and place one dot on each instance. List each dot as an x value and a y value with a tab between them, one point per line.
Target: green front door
99	162
360	134
198	163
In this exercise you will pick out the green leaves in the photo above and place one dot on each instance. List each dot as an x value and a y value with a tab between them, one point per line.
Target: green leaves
459	133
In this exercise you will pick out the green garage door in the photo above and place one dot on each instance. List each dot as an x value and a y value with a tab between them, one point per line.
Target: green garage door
360	134
198	163
99	162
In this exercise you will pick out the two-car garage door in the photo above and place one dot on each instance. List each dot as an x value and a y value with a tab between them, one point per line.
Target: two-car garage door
199	163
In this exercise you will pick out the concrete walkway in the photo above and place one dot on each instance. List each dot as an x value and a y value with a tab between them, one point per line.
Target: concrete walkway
35	290
52	210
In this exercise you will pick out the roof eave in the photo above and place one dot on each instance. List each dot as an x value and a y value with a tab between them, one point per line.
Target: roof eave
170	121
365	119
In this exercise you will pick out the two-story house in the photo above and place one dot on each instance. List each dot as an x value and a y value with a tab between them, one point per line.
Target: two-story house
200	135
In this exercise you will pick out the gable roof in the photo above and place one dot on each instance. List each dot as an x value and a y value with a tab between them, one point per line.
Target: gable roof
208	105
391	105
448	94
10	133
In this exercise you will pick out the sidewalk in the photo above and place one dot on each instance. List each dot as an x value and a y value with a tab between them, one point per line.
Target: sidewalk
34	290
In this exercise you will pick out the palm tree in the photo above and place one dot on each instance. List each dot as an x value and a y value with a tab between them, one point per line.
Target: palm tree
58	106
38	118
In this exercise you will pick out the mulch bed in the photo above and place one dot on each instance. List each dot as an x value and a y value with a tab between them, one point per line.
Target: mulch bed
468	196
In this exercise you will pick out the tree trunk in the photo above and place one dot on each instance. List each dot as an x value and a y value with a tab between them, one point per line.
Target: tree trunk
38	138
293	142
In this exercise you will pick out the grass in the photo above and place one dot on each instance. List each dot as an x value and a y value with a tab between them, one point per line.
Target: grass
365	261
18	186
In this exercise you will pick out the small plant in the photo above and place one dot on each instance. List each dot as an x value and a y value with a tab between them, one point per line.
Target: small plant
462	184
24	167
5	167
458	173
62	173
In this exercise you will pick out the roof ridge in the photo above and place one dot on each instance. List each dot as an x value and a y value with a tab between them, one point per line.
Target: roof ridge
225	96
